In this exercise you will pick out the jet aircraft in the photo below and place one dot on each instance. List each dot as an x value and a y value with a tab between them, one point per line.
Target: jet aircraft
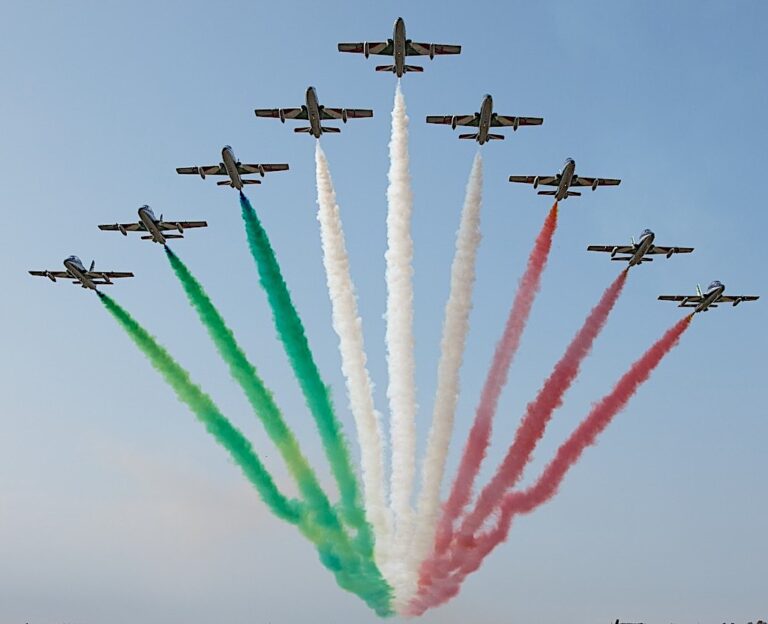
315	114
87	278
232	167
711	298
156	228
564	180
638	251
399	47
483	121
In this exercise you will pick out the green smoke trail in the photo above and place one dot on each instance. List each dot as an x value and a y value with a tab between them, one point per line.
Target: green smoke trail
291	333
206	411
355	574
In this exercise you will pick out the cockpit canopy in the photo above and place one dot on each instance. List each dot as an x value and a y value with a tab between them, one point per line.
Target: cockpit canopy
75	259
645	232
715	284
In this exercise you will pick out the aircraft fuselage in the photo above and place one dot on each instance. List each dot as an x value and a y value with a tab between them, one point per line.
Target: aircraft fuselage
229	162
710	297
398	46
313	113
643	245
75	268
147	217
567	174
486	114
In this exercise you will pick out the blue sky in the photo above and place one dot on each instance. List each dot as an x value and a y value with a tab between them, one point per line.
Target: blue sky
114	503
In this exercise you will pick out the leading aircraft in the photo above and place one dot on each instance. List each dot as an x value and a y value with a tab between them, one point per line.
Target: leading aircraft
232	167
638	251
156	228
564	180
483	121
87	278
315	113
711	298
399	47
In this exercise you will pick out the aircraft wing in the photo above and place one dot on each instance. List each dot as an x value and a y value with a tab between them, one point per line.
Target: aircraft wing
619	249
461	120
95	275
206	170
257	168
668	251
382	48
545	180
56	274
736	299
580	181
351	113
128	227
430	49
504	120
185	225
287	113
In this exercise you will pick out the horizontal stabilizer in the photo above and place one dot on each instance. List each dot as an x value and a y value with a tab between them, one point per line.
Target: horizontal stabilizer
413	68
495	137
251	181
224	183
547	193
173	236
149	237
468	136
302	129
330	129
574	194
387	68
626	259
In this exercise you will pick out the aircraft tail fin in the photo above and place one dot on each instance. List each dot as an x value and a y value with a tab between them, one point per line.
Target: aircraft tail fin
330	129
698	290
553	193
468	136
302	129
495	137
413	68
250	182
574	194
386	68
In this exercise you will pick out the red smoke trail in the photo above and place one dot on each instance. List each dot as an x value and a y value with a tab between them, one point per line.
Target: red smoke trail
539	411
548	483
480	435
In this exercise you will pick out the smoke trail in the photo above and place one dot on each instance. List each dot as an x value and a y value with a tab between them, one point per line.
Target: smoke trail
348	327
291	332
480	434
539	411
206	412
352	573
401	391
455	328
258	395
567	455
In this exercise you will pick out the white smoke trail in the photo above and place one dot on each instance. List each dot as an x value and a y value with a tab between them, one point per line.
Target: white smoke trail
401	391
455	328
348	327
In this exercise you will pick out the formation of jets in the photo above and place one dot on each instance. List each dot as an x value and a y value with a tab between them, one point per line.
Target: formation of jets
399	47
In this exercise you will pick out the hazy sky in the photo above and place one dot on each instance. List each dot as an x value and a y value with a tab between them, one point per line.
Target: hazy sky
115	505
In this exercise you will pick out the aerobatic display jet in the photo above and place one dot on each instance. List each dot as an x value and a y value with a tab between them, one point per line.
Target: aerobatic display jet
315	113
399	47
232	167
156	229
638	252
87	278
564	180
483	121
711	298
